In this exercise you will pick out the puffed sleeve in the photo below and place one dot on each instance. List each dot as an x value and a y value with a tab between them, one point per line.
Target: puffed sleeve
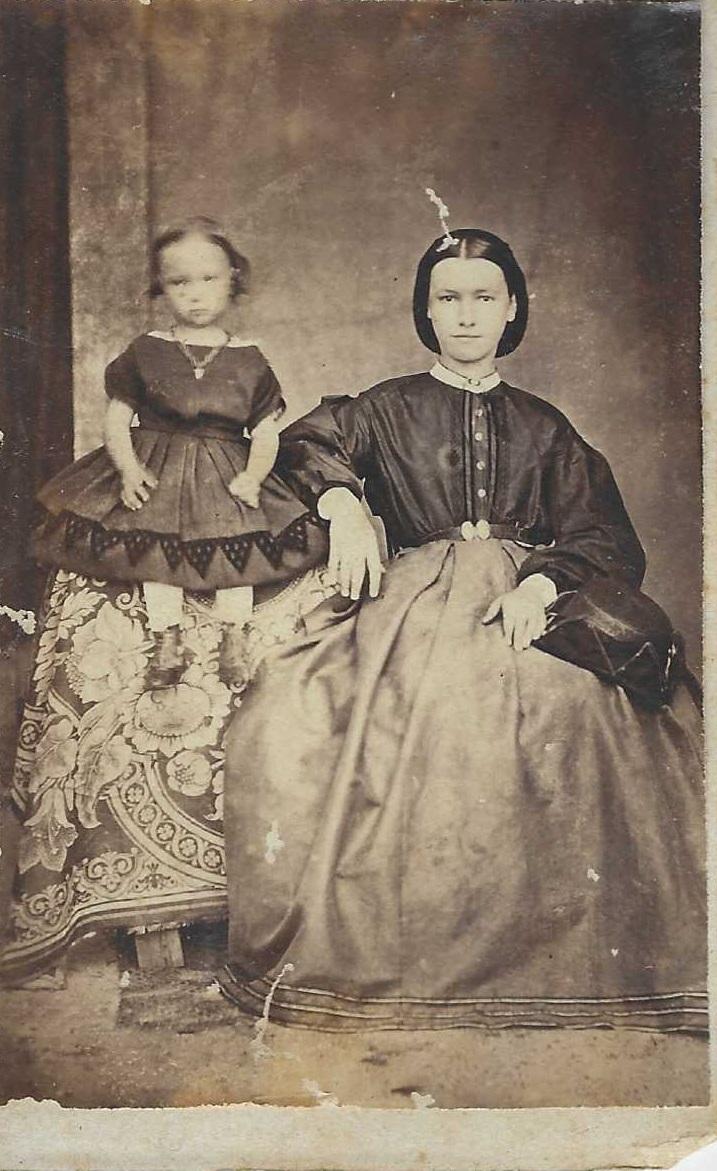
268	401
124	381
593	533
328	448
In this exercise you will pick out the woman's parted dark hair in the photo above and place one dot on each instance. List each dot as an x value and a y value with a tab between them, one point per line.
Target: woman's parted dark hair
210	230
473	243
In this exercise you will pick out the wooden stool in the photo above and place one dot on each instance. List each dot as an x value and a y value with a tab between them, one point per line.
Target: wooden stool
158	947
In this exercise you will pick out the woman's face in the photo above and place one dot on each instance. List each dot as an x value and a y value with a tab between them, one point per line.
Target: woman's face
469	307
196	280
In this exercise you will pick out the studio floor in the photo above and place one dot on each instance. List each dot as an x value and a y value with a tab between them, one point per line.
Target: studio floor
79	1045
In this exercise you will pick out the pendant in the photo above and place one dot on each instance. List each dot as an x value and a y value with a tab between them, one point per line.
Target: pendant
198	371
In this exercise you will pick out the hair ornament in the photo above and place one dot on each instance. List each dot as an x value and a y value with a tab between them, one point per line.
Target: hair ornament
448	241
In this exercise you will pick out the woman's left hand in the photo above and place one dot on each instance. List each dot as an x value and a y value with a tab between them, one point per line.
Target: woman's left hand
522	611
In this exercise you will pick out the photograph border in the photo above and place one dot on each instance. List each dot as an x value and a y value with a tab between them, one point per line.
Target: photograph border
46	1137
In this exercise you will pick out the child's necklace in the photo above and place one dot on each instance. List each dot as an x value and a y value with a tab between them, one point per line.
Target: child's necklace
199	365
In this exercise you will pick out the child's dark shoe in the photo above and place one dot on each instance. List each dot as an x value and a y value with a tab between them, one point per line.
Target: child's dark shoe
167	663
234	658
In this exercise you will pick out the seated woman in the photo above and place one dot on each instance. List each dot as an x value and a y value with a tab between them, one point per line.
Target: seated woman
429	821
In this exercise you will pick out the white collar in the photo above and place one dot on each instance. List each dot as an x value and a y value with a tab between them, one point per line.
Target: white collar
476	386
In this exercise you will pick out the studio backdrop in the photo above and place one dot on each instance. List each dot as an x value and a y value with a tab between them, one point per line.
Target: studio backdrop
312	130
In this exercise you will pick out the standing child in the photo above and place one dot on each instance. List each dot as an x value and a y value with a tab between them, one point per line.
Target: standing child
187	500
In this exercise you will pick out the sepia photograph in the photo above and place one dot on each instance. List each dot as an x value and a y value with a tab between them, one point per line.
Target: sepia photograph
351	574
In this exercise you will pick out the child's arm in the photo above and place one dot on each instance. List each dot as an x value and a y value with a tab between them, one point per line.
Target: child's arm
262	457
136	479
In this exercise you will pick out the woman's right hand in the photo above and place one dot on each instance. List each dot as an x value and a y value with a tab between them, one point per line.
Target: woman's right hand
137	483
354	552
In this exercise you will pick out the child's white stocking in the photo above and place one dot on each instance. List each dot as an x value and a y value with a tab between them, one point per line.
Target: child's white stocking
164	605
234	606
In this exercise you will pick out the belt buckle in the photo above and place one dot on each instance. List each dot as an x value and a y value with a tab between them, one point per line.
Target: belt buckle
481	530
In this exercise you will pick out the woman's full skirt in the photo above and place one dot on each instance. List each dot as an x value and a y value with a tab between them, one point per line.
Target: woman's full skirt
426	828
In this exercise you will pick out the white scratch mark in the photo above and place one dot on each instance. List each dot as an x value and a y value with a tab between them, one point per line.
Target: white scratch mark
124	980
258	1047
274	844
614	951
322	1097
593	875
25	619
422	1101
443	214
2	438
393	93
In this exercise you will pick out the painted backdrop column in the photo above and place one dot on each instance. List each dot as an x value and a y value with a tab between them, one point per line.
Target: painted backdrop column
109	195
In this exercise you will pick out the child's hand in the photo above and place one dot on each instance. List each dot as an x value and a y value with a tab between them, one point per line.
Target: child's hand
246	489
523	613
137	483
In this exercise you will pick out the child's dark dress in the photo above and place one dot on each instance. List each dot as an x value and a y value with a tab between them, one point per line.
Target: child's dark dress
192	434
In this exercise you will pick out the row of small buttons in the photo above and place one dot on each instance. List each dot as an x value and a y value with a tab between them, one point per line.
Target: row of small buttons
480	463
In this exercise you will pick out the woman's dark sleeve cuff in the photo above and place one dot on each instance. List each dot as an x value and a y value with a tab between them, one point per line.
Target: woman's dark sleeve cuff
354	488
562	581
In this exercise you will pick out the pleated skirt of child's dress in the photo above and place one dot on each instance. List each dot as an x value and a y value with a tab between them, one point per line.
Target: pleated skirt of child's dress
191	532
428	829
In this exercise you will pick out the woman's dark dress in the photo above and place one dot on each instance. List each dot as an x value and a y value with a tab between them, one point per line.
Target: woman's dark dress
425	828
191	532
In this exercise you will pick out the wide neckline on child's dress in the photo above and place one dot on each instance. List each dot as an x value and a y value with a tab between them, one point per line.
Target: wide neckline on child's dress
234	342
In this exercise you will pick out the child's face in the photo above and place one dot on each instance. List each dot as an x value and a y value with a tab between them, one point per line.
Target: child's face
469	307
196	280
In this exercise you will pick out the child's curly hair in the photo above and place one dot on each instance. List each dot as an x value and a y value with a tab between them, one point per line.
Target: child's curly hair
210	230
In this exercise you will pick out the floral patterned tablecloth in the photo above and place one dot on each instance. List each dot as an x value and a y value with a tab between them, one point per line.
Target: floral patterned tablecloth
120	789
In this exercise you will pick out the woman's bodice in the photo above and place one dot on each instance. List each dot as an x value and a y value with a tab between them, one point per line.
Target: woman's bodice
432	456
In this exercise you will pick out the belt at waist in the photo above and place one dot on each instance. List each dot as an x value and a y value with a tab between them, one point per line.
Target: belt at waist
195	430
481	530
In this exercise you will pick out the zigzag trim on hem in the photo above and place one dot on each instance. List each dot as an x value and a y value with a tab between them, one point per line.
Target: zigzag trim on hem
196	553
